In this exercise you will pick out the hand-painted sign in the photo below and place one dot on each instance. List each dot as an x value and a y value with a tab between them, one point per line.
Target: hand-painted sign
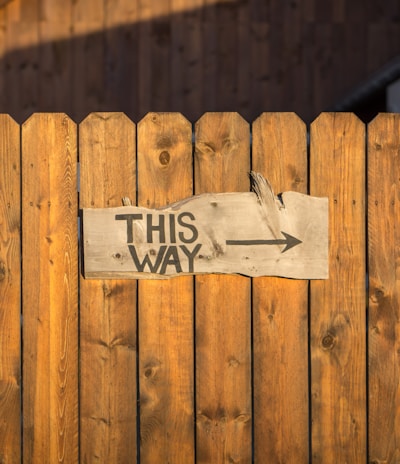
251	233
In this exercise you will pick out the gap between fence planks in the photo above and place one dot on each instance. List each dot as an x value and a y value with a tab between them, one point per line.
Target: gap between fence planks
280	310
337	306
50	289
223	311
108	390
384	314
10	291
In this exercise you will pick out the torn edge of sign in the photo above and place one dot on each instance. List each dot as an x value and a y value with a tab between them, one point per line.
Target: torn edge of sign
270	203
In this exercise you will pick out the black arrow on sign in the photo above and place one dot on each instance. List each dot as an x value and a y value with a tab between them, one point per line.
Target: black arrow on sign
289	241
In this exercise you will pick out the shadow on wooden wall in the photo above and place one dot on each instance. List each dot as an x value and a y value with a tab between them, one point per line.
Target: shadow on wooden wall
247	56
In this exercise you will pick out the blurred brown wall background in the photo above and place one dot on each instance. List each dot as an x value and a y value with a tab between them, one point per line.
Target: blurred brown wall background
193	56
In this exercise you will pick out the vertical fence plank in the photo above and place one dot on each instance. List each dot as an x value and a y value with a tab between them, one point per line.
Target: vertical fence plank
280	310
223	358
10	292
50	289
338	330
384	313
108	308
166	363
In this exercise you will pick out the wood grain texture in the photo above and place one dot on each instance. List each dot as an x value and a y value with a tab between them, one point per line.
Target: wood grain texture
186	56
3	51
55	87
144	82
50	289
337	319
280	310
177	49
108	390
159	57
121	36
4	2
88	61
22	38
210	54
10	292
223	357
383	330
226	80
166	361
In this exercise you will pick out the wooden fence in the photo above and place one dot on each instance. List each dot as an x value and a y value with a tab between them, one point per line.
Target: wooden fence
208	369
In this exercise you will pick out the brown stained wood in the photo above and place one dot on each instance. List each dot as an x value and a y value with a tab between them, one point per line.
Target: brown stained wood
50	289
296	88
244	58
280	310
194	60
337	312
166	363
10	292
177	50
223	358
13	11
27	71
210	54
55	84
3	50
108	309
262	74
88	61
4	2
144	84
321	72
383	330
121	17
339	11
160	58
227	61
22	38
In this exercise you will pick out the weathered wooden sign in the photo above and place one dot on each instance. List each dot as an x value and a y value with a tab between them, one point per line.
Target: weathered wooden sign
252	233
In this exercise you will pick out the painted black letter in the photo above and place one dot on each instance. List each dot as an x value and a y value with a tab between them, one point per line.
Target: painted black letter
141	265
172	235
160	228
191	227
171	258
190	255
129	218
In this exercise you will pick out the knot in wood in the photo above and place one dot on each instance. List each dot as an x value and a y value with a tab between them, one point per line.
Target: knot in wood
106	290
2	271
164	158
377	295
328	341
